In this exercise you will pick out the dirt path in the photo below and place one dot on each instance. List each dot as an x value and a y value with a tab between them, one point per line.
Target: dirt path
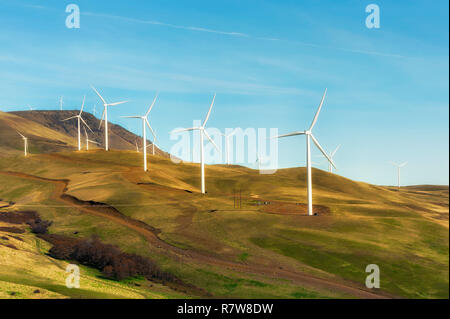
151	235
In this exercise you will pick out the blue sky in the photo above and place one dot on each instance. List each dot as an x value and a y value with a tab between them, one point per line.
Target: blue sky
268	62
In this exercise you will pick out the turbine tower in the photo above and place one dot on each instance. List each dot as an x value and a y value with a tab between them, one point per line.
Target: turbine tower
25	143
105	115
153	144
88	140
79	118
144	131
258	160
60	102
227	144
309	137
203	133
399	166
137	147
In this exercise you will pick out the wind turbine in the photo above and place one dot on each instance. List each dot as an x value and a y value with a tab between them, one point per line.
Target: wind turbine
25	143
88	140
29	106
105	115
137	147
331	155
399	166
79	118
202	132
310	136
258	160
153	144
60	102
144	131
227	144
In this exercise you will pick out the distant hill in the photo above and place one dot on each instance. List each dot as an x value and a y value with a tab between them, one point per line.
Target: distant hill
48	133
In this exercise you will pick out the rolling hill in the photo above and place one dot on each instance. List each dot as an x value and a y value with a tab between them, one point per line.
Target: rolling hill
267	248
48	133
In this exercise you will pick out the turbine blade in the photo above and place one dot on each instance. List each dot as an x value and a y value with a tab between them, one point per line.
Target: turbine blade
151	106
104	102
334	152
93	142
403	164
232	133
211	140
82	105
318	111
70	118
287	135
20	134
103	115
86	124
151	130
209	112
132	117
117	103
185	130
321	149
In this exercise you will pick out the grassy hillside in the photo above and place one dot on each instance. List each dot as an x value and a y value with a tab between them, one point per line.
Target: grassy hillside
27	272
271	250
48	133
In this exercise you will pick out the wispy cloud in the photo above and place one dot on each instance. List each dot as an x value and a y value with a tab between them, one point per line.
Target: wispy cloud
226	33
174	26
239	34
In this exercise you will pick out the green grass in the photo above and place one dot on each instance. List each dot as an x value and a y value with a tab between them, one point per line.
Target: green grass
367	224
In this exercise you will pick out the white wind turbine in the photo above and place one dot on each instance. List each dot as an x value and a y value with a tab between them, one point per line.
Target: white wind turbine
144	131
105	115
227	144
202	131
399	166
137	147
25	143
60	103
153	143
258	160
310	136
88	140
331	155
79	118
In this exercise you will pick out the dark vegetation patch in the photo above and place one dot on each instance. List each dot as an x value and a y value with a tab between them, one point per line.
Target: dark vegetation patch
4	238
113	263
20	217
39	226
13	230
